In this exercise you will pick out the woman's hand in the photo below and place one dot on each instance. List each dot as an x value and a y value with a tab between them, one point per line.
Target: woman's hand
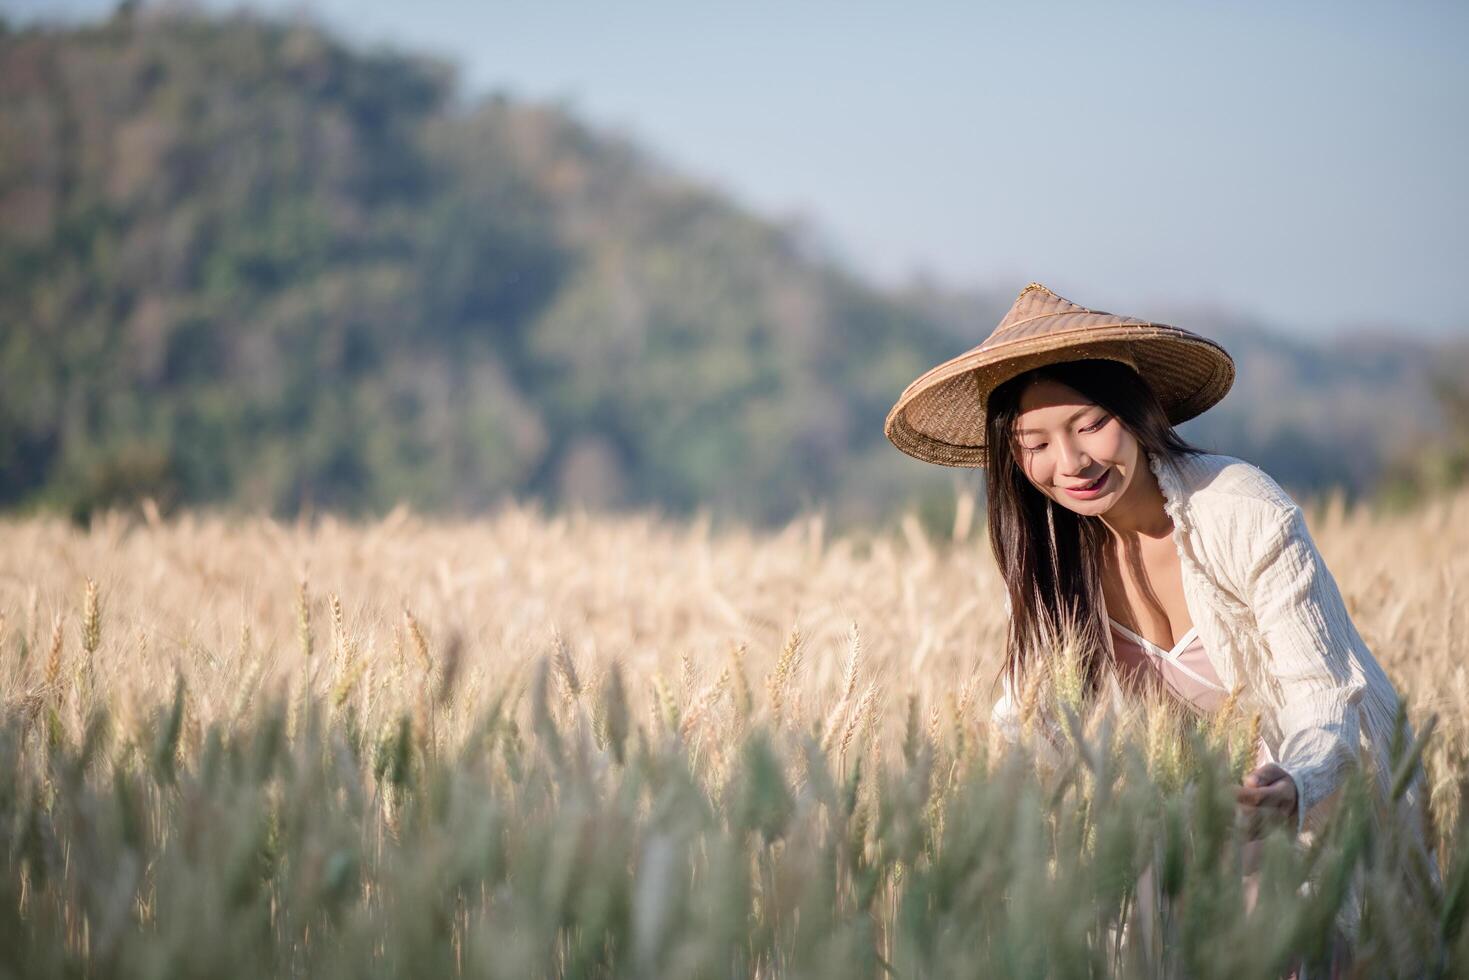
1267	796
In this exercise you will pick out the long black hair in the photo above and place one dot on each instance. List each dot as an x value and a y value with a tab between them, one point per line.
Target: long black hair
1049	556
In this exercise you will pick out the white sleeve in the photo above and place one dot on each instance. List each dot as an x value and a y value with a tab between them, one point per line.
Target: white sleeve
1307	635
1005	715
1046	734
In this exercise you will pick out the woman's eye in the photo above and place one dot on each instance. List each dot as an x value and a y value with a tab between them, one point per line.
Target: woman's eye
1034	449
1097	424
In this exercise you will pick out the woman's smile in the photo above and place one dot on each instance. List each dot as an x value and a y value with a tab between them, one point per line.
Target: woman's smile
1094	489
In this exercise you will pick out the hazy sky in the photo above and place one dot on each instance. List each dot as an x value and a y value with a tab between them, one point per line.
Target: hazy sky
1300	162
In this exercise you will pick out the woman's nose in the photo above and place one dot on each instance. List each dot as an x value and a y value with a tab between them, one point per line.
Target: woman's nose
1073	461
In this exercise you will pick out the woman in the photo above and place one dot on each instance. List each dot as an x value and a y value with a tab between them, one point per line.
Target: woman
1192	568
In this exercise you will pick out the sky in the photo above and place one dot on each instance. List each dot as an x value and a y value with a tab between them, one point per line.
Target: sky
1299	163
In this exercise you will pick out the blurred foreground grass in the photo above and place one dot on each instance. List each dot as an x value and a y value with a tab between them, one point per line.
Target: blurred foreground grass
575	746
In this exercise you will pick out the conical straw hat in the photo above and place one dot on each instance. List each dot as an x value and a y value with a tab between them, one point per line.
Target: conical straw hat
940	418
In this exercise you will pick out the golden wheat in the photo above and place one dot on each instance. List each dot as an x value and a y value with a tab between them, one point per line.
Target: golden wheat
893	627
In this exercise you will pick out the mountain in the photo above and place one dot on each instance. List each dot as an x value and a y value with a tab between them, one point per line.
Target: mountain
244	264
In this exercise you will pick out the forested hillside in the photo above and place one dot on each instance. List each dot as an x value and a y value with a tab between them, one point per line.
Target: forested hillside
241	263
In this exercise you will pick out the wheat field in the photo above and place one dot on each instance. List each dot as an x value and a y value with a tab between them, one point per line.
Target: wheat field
582	745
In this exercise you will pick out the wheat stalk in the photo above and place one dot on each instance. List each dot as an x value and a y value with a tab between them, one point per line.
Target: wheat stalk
91	619
420	642
786	665
566	669
743	699
54	658
303	619
865	706
704	702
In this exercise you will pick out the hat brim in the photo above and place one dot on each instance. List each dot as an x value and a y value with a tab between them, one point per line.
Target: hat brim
940	417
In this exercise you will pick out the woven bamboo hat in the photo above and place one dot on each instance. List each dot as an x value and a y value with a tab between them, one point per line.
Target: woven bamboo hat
940	418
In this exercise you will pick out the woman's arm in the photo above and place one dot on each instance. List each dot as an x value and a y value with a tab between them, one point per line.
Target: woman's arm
1308	637
1006	717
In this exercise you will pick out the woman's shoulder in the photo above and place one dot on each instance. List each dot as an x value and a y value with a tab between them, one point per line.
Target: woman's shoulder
1233	507
1215	480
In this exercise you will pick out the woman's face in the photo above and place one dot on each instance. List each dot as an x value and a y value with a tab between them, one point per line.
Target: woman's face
1063	442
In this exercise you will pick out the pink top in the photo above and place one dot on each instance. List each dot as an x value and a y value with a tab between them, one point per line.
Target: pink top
1185	671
